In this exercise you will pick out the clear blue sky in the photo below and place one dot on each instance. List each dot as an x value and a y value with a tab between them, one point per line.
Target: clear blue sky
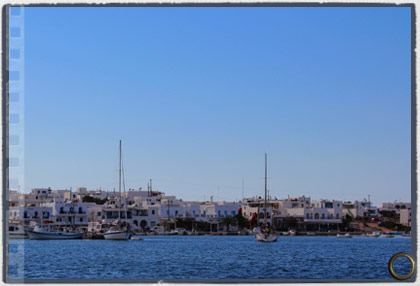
199	94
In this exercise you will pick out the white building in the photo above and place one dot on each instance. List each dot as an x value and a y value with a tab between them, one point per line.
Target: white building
405	217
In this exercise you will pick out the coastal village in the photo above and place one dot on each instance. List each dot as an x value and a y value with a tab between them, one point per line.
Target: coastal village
154	212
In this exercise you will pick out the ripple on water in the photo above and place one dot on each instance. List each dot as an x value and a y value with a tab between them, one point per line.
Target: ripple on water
207	257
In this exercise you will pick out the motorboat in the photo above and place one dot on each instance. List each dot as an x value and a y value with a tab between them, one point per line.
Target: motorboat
388	235
292	232
347	235
373	234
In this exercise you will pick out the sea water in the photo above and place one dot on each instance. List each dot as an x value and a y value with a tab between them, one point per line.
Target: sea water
207	257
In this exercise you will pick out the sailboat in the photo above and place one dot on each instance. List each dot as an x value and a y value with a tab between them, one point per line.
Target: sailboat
265	235
118	230
47	231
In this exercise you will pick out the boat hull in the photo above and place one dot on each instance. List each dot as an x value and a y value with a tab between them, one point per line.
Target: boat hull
387	236
266	238
117	235
18	235
344	236
51	235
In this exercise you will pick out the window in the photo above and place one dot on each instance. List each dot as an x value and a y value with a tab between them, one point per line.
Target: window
307	216
81	219
337	216
153	211
99	213
323	216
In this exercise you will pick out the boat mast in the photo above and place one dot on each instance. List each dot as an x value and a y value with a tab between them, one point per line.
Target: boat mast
73	211
125	193
265	193
42	210
119	187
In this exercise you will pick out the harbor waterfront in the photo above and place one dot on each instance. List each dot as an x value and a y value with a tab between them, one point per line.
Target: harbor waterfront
207	257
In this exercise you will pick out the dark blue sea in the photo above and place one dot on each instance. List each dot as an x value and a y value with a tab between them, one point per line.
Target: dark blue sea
207	257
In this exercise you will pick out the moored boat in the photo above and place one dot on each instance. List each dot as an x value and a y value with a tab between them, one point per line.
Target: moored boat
347	235
117	234
119	230
265	235
17	231
43	231
373	234
388	235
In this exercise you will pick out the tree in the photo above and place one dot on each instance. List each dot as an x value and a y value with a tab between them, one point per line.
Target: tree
242	221
345	222
228	221
89	199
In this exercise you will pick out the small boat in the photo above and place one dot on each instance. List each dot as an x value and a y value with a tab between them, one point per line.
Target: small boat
347	235
267	234
285	233
117	232
136	238
266	237
388	235
173	232
16	231
292	232
373	234
46	231
310	233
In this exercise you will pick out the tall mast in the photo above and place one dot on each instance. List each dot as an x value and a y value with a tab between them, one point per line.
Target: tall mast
42	210
119	186
72	207
265	193
125	193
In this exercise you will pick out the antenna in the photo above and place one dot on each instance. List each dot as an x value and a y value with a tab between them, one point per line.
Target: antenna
242	187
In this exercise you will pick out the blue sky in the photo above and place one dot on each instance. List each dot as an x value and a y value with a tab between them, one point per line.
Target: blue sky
199	94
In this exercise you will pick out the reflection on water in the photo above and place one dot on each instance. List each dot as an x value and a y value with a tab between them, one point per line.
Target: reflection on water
207	257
